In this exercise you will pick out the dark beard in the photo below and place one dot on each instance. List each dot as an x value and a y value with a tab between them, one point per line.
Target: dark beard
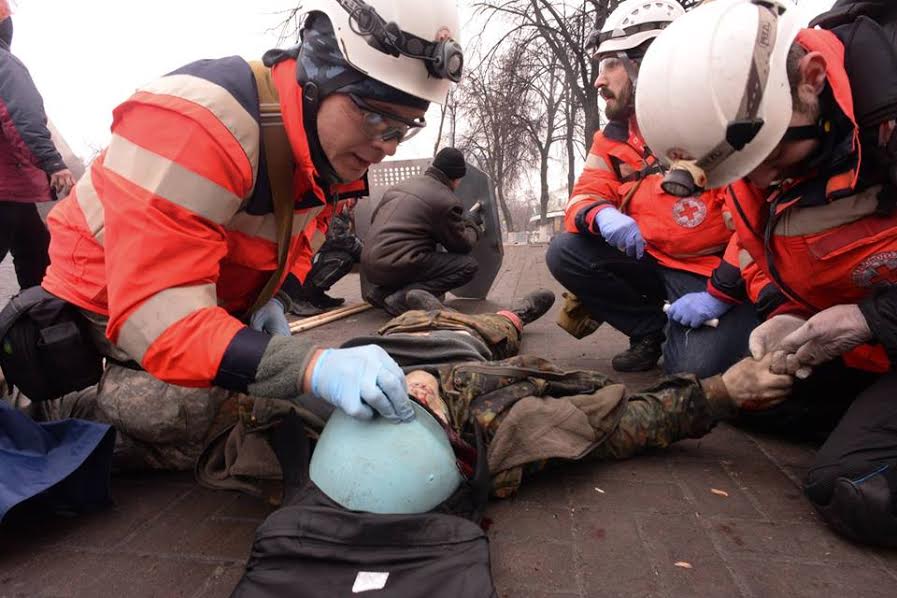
624	106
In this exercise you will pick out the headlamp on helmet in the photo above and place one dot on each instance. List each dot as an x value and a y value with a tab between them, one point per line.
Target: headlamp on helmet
444	58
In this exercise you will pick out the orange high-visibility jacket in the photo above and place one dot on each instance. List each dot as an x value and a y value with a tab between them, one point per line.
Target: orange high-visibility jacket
818	241
683	233
171	231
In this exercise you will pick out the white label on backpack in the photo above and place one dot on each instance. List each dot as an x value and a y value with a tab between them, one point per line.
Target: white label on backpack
366	581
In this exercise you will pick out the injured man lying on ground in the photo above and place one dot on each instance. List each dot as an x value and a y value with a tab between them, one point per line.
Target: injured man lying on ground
465	369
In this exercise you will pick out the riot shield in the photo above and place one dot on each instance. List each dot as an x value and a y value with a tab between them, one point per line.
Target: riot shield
475	187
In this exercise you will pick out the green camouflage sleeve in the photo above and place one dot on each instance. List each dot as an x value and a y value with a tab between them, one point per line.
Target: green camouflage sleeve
677	407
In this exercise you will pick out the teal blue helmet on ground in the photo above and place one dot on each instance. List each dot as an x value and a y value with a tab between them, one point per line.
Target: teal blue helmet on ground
382	467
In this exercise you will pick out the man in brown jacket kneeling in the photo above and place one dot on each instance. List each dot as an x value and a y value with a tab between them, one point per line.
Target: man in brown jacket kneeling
401	267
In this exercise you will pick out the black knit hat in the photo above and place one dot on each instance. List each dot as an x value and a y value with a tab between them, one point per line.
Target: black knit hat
450	161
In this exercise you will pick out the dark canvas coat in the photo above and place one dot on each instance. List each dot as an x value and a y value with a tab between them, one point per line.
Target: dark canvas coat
411	219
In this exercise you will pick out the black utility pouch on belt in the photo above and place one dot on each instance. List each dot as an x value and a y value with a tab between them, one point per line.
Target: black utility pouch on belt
45	347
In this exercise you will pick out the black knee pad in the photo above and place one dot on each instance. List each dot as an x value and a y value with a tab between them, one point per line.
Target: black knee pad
328	267
861	508
348	244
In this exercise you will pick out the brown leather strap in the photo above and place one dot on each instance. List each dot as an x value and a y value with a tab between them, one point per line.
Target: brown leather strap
279	157
624	205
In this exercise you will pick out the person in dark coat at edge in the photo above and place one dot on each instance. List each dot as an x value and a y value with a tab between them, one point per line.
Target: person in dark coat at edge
57	466
30	165
401	267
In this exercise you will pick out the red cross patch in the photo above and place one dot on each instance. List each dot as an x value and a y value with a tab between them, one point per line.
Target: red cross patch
689	212
879	270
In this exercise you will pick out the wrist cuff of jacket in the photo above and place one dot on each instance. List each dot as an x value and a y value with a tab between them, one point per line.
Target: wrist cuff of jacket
717	294
53	166
726	284
241	360
880	311
285	300
585	219
282	368
772	302
721	404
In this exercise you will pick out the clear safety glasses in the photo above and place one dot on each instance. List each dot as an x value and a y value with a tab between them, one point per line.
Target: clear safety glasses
382	125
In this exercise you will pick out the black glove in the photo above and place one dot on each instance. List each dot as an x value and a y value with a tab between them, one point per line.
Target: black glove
477	221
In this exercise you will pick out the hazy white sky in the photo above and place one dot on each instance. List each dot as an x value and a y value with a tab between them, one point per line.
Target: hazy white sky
87	56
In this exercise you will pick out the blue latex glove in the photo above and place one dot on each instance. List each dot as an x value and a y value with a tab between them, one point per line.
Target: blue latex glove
693	309
362	380
271	318
621	231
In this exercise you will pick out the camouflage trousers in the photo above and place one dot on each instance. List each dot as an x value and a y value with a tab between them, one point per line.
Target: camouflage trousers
159	425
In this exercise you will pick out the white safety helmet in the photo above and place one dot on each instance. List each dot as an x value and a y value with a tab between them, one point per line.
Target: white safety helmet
713	88
631	24
408	45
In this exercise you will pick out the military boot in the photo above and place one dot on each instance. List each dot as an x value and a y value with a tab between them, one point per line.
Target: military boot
394	303
325	301
642	354
423	300
533	305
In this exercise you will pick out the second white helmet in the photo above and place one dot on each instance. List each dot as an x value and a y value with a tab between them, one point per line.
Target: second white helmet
713	87
631	24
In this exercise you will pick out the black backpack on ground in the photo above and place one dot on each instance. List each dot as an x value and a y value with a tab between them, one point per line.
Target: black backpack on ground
313	548
45	346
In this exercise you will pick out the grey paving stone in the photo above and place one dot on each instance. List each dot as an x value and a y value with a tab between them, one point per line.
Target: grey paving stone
775	578
647	468
519	520
702	478
809	543
79	574
541	566
612	557
673	543
244	507
617	495
189	528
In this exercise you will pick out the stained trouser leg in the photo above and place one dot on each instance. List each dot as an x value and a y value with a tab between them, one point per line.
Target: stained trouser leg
624	292
853	482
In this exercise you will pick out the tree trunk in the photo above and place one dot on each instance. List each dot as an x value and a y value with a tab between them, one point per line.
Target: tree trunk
571	148
503	205
543	196
439	132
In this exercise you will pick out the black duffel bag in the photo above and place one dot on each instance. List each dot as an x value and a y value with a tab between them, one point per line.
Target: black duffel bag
314	548
45	346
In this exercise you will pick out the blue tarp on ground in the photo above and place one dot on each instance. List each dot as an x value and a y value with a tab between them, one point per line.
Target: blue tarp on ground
64	464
